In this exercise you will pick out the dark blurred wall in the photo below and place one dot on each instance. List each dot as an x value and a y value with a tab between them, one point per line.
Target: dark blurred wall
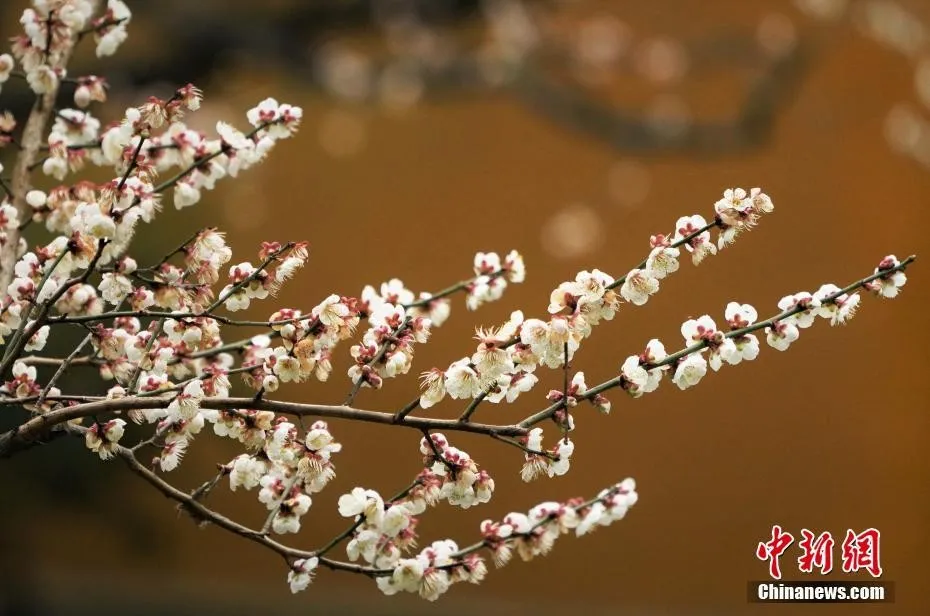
829	435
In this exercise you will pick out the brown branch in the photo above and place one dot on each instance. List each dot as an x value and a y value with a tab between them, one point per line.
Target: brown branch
37	426
203	513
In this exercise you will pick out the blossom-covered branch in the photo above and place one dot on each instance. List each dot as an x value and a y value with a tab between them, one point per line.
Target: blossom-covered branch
642	373
158	336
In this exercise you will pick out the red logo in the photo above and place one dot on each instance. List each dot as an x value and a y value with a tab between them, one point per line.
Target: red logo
818	552
772	550
860	551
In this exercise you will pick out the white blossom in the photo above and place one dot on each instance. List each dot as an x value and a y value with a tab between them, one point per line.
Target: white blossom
781	334
638	286
889	285
690	371
462	381
362	502
808	303
301	573
103	438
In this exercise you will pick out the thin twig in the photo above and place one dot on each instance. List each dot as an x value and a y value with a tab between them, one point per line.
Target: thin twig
473	406
407	409
385	347
61	369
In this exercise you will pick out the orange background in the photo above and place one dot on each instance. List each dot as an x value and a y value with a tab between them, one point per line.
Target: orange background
829	435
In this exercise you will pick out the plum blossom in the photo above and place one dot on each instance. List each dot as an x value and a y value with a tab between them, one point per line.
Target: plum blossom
487	263
171	455
690	370
576	389
553	462
739	315
889	284
638	286
841	308
483	290
186	404
702	329
739	211
611	505
700	245
514	267
104	438
436	310
6	67
548	341
745	346
23	384
492	276
302	573
287	518
589	296
275	120
761	202
110	37
654	353
432	383
38	340
663	258
491	360
246	471
807	306
115	287
635	376
734	202
781	334
360	501
462	381
509	386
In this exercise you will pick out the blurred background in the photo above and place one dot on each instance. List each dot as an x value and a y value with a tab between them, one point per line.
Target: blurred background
570	131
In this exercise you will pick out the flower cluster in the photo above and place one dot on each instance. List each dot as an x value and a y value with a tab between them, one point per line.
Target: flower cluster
552	463
503	365
492	275
307	344
52	27
287	468
386	348
534	533
707	345
103	438
737	212
431	572
498	370
463	484
97	223
382	531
